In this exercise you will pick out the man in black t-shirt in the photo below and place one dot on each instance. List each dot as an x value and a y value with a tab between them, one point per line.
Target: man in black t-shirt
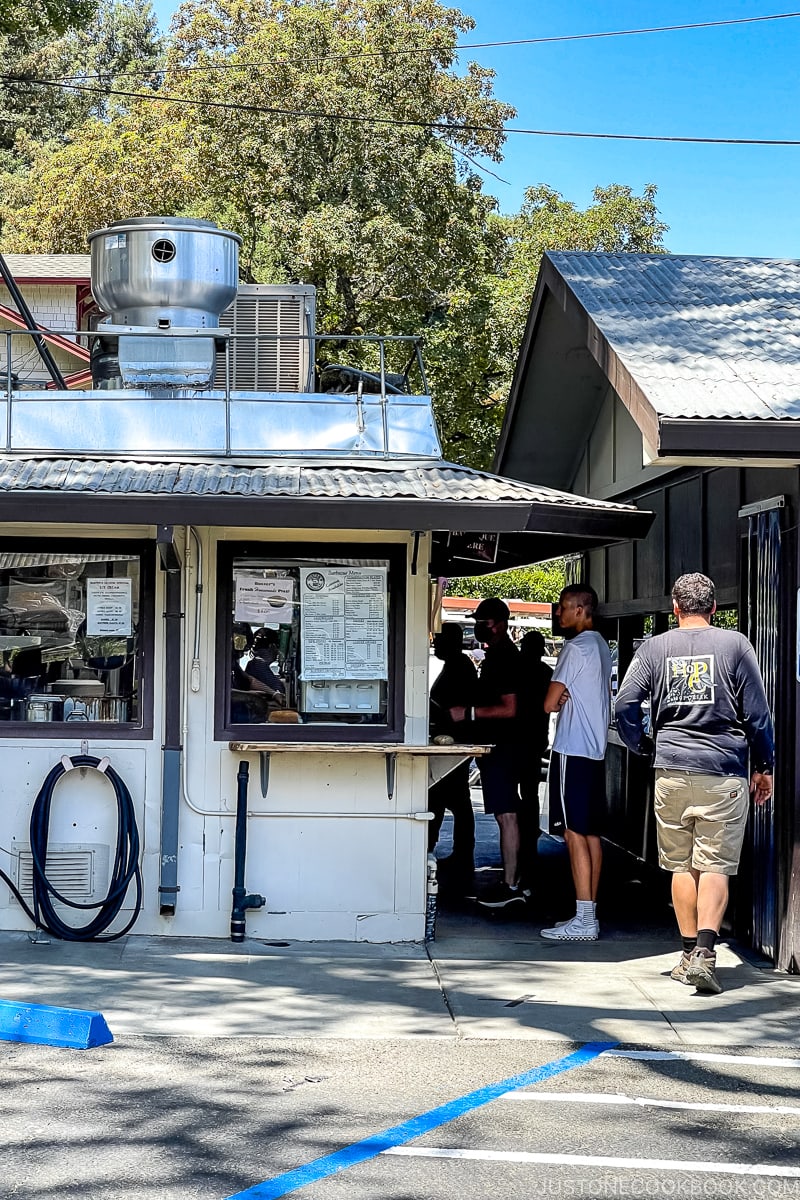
708	708
495	722
455	685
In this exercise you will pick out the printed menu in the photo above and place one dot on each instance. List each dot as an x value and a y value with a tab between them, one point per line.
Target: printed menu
109	607
344	623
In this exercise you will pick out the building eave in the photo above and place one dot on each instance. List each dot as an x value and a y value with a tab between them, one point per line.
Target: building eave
693	439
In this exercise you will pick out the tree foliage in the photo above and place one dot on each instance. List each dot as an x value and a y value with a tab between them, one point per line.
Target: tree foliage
542	583
618	221
340	163
21	20
118	36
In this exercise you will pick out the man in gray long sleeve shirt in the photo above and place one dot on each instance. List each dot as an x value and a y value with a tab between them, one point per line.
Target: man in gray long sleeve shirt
708	714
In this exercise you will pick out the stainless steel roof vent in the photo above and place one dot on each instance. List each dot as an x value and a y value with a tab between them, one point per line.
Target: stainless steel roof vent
172	274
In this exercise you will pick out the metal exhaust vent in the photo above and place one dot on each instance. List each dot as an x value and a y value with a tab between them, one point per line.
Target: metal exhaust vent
163	251
164	273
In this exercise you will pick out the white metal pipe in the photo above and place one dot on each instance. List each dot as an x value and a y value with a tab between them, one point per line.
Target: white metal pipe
192	669
415	816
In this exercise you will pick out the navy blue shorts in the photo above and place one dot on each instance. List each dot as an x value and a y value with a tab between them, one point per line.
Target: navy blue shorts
500	780
577	788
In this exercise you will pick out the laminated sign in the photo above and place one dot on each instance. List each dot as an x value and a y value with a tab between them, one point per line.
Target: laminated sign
109	607
343	627
263	600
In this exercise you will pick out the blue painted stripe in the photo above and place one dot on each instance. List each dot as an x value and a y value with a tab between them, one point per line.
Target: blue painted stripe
371	1147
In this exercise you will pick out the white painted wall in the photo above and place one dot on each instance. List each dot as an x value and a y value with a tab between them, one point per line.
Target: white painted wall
349	877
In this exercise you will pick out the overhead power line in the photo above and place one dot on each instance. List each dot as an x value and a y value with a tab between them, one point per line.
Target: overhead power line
410	50
444	127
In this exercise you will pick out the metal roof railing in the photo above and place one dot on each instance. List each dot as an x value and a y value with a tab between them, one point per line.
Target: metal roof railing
360	403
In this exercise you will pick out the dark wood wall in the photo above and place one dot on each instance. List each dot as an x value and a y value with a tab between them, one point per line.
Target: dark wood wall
698	528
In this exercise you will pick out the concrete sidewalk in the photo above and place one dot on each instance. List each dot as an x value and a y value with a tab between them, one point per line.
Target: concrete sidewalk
476	981
483	977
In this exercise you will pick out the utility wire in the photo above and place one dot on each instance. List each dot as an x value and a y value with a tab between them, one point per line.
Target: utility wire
409	50
446	127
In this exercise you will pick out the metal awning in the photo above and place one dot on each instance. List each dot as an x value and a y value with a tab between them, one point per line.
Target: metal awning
534	523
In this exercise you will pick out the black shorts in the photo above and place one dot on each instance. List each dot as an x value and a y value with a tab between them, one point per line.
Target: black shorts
577	788
500	780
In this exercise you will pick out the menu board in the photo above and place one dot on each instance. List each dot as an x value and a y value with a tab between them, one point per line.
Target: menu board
263	600
109	607
343	625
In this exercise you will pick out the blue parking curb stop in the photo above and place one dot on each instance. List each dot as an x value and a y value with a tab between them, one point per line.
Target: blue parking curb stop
51	1026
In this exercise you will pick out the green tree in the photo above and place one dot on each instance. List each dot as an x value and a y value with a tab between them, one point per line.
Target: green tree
118	36
382	217
477	365
542	583
20	19
617	222
341	164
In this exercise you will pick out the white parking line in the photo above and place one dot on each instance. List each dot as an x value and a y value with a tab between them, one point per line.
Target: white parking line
752	1060
693	1166
647	1102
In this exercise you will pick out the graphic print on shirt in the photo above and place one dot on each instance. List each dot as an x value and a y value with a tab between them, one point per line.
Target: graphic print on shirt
690	679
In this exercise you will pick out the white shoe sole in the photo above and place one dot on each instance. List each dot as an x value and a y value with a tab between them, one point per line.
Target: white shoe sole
560	935
502	903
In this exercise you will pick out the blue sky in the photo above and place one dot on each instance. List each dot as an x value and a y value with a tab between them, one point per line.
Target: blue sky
740	82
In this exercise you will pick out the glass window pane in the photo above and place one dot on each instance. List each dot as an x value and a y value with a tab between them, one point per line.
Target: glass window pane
69	632
309	641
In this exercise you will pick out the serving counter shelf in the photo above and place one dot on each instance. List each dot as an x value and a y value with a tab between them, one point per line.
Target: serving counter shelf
447	757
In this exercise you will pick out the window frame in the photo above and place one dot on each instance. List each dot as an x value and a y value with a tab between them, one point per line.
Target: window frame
394	728
104	730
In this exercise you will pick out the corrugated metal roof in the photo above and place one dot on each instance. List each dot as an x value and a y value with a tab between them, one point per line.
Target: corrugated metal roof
69	267
443	481
702	336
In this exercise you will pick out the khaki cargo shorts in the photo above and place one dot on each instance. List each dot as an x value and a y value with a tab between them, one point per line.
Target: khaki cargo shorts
700	820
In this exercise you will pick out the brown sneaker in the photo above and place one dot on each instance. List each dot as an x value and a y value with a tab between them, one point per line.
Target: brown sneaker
701	972
678	972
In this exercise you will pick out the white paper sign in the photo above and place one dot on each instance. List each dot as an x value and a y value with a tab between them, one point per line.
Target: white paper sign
343	627
109	607
261	601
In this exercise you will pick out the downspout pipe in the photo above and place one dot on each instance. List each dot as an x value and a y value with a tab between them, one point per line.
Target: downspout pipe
241	899
172	750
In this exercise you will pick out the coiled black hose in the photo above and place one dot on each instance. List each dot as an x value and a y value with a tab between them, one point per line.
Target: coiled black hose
126	863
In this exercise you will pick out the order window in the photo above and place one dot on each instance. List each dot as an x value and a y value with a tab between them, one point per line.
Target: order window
70	635
310	640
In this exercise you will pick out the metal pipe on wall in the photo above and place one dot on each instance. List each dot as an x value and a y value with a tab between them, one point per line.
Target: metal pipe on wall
171	750
242	900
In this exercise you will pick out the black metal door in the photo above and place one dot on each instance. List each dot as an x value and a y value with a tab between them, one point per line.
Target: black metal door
759	620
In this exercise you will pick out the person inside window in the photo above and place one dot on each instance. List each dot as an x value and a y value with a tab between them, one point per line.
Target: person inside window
265	652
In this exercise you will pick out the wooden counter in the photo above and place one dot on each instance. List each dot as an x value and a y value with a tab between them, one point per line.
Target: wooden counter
390	750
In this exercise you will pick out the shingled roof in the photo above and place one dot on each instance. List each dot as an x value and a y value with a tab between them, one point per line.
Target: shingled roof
38	268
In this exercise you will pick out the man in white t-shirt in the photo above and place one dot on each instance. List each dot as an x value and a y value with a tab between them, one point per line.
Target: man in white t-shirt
580	692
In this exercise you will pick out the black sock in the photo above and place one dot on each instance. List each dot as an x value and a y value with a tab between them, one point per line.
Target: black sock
706	939
689	944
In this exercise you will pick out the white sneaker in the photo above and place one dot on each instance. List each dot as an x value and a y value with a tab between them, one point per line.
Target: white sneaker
574	930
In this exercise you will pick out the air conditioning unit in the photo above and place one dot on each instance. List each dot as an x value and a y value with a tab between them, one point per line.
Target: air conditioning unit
282	359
